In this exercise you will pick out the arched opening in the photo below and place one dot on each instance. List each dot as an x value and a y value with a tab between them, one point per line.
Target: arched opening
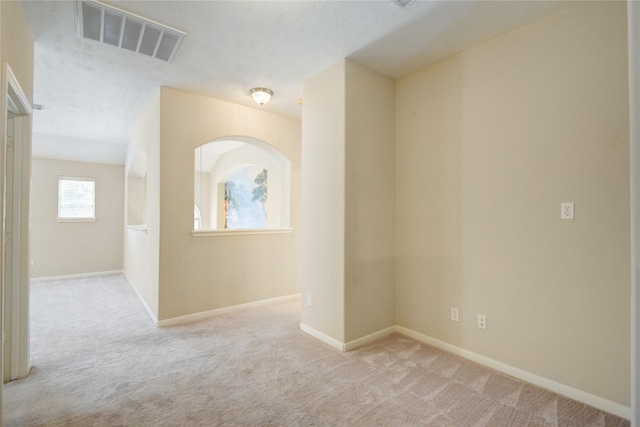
242	183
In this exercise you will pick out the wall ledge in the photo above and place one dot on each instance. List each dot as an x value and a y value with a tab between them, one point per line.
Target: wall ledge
244	232
70	220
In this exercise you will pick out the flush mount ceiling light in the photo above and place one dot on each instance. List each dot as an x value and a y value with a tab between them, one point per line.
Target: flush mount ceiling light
107	24
261	95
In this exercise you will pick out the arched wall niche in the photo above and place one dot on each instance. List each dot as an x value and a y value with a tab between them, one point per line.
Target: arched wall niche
237	180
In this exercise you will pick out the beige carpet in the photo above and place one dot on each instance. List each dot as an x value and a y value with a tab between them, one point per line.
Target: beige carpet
99	361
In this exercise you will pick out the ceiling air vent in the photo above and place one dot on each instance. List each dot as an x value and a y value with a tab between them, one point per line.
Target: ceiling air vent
106	24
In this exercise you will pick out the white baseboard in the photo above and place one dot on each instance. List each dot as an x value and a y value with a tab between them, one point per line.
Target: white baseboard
154	319
556	387
189	318
337	344
369	338
75	276
322	336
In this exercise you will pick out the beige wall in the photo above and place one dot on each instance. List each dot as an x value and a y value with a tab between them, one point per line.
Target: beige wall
323	205
489	143
369	202
17	44
142	243
63	248
204	273
348	202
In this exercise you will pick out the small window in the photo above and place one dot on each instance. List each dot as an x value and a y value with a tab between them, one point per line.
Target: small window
76	198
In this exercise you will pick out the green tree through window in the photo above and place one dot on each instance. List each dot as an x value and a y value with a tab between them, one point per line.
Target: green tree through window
260	190
245	196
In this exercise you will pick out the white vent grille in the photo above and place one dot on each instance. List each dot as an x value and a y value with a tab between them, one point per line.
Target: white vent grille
106	24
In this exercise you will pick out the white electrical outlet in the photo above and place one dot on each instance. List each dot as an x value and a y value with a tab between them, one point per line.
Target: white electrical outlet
566	210
454	314
482	321
32	263
309	300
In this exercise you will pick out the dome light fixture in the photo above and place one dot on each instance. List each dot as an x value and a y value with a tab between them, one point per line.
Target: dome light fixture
261	95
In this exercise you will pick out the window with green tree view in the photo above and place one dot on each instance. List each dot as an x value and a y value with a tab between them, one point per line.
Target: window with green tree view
245	199
241	183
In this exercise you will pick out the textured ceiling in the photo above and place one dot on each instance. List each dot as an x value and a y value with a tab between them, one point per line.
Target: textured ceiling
93	92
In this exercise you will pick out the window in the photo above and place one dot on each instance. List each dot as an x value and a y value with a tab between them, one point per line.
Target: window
245	198
196	218
76	198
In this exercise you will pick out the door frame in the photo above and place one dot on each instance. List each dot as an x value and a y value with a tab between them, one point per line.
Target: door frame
15	238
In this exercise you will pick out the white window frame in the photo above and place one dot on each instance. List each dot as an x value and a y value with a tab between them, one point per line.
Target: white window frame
197	218
71	218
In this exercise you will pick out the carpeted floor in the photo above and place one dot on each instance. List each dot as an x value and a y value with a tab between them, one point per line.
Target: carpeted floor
99	361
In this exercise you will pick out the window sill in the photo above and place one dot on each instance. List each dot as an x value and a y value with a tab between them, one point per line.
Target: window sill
77	219
243	232
142	228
